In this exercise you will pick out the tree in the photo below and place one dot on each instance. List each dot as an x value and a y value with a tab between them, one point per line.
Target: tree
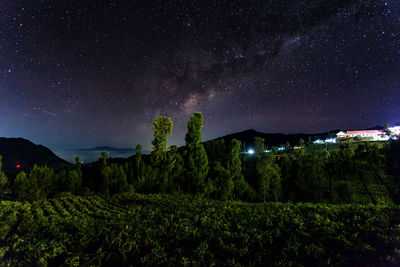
222	181
139	163
21	186
259	146
193	135
78	167
162	127
287	178
175	169
216	150
311	181
118	181
275	183
40	183
62	180
74	180
105	172
263	178
386	130
3	178
302	142
196	156
234	167
267	173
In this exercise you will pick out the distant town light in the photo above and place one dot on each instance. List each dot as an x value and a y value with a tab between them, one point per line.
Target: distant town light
330	140
251	151
268	151
281	148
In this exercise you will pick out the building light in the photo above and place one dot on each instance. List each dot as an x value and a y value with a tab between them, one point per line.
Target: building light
250	151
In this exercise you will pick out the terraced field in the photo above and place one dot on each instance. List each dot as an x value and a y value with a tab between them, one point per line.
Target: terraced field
134	229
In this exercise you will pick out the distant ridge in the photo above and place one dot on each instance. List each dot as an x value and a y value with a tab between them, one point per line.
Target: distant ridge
106	148
273	139
25	153
377	127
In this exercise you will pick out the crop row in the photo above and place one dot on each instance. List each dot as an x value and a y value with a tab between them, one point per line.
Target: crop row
135	229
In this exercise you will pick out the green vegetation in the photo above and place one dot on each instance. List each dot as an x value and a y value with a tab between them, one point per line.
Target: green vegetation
181	230
196	160
351	172
3	178
313	205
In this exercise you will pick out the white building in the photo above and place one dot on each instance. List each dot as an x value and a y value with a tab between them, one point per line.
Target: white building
341	134
365	133
395	130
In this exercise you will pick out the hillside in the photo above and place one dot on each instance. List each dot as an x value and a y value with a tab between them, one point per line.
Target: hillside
24	152
173	230
273	139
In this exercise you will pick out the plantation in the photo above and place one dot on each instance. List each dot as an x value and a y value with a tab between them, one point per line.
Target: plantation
208	205
132	229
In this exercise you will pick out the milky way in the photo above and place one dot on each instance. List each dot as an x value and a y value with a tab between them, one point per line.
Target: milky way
86	73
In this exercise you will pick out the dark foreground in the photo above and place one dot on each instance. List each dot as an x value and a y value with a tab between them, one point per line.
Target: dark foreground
134	229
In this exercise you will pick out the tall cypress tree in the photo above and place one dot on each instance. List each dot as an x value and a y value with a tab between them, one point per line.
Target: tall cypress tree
162	127
196	159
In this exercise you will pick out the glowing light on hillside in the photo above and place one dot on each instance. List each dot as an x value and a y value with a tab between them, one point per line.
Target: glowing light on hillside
250	151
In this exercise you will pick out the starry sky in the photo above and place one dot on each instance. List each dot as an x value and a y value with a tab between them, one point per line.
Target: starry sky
83	73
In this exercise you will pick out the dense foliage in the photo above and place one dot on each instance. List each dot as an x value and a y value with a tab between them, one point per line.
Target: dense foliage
134	229
348	172
105	222
3	178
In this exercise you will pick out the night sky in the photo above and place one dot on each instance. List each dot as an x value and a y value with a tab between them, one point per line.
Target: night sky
87	73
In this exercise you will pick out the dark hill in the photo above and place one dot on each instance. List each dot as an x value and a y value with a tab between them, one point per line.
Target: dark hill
274	139
24	152
107	149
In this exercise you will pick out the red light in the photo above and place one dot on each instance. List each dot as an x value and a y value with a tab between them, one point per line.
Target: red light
18	166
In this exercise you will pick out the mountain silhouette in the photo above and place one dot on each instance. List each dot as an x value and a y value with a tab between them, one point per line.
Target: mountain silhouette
19	151
107	148
273	139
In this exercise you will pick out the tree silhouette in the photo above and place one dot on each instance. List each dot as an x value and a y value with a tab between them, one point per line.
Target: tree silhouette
105	174
175	169
196	159
74	180
234	167
21	186
162	127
